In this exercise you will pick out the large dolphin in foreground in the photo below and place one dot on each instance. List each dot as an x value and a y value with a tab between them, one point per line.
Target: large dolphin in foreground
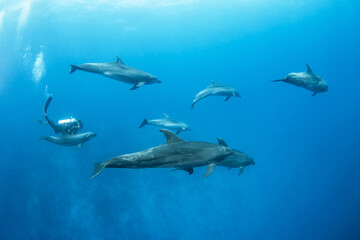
237	160
119	71
307	80
175	153
71	140
167	123
216	89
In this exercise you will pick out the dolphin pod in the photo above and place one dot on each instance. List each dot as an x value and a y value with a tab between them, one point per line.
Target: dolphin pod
119	71
180	155
177	153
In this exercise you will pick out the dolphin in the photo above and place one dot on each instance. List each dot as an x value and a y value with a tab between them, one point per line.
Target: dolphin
168	123
216	89
307	80
237	160
175	153
71	140
119	71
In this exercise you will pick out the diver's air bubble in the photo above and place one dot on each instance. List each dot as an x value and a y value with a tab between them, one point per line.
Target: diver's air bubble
39	67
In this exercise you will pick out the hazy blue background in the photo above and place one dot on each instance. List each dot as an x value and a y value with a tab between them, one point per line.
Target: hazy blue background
306	181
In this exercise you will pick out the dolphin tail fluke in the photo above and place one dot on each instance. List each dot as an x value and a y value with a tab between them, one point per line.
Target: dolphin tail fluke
98	168
145	122
73	68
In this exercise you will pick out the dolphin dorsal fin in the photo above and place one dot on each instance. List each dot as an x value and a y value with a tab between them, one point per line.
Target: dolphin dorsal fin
309	69
213	82
171	137
118	60
222	142
166	116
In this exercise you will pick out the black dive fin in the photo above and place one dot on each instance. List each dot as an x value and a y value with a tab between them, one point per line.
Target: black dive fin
118	60
139	84
227	98
189	170
73	68
222	142
314	94
98	168
170	137
48	101
210	168
143	123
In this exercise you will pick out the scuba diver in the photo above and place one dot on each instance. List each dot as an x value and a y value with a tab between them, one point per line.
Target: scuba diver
68	126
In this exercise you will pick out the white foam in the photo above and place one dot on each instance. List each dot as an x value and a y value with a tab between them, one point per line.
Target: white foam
39	67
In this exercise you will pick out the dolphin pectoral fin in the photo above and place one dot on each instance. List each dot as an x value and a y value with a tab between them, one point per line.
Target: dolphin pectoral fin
80	145
241	170
139	84
222	142
189	170
227	98
229	168
170	137
73	68
314	94
278	80
178	131
210	168
98	168
192	105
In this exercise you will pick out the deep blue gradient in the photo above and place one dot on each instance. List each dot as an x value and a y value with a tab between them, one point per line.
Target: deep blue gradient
306	181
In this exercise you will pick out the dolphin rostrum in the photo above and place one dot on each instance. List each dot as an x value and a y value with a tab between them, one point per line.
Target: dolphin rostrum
307	80
119	71
71	140
216	89
168	123
175	153
237	160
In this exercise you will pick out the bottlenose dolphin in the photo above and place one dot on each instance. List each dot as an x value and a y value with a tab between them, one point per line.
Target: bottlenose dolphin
175	153
168	123
307	80
237	160
119	71
71	140
216	89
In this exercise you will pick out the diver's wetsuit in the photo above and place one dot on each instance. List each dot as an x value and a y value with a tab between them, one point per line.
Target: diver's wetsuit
69	128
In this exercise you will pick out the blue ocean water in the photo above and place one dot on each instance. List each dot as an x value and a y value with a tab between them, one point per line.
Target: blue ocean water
305	184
